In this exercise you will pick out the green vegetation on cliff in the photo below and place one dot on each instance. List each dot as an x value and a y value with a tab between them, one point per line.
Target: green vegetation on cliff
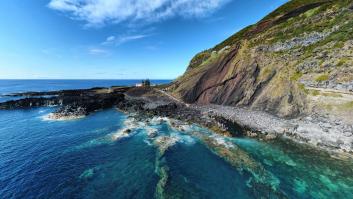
268	65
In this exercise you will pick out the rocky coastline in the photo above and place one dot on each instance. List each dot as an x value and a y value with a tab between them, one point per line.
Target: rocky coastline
71	100
229	121
315	130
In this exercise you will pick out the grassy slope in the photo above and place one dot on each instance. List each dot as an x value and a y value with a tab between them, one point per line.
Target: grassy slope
279	35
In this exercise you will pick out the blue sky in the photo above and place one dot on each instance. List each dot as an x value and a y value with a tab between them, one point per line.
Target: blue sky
115	39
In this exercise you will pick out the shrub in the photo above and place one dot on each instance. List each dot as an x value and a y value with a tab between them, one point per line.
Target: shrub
322	78
302	87
296	76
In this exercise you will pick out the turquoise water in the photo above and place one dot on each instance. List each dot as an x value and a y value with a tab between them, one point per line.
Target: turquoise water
94	157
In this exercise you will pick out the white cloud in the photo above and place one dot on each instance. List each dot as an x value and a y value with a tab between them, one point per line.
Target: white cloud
100	12
97	51
112	40
127	38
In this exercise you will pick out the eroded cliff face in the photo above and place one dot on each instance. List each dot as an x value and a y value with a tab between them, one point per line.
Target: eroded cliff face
281	65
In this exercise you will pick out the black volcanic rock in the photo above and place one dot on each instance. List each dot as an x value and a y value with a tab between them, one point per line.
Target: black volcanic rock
30	102
73	102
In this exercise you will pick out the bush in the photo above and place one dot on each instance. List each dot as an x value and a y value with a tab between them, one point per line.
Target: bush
322	78
296	76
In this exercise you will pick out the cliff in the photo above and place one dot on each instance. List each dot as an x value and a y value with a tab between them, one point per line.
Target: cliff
297	61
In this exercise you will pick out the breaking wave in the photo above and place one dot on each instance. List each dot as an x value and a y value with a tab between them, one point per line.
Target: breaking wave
50	117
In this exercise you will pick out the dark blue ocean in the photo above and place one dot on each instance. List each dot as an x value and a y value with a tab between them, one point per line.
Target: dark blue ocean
17	86
94	157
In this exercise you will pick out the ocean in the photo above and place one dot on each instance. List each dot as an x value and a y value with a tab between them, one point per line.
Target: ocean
93	157
17	86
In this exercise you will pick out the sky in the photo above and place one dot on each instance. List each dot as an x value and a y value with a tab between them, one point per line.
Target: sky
115	39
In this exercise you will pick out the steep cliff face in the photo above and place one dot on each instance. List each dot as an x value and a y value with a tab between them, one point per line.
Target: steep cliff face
286	64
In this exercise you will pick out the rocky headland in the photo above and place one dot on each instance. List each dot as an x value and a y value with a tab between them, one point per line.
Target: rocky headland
73	103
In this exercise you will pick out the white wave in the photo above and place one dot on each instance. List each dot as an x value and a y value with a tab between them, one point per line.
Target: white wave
51	117
185	139
122	133
131	125
222	141
130	122
182	127
45	117
151	132
187	127
165	142
159	120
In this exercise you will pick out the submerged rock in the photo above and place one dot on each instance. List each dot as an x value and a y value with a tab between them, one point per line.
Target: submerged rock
151	132
164	142
127	131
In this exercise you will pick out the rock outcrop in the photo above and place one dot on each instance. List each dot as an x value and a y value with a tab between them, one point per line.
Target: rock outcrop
74	103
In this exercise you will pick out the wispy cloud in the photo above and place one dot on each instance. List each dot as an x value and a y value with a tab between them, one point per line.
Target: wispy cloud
98	51
100	12
113	40
110	39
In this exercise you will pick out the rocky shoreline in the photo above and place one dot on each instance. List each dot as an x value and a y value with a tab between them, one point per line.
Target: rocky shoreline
81	101
315	130
229	121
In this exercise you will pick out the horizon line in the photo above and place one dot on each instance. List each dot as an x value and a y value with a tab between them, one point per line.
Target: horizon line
82	79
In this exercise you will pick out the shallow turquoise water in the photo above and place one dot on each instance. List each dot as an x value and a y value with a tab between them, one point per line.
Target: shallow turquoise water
94	158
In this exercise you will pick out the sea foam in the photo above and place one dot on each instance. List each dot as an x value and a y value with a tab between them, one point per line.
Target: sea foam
50	117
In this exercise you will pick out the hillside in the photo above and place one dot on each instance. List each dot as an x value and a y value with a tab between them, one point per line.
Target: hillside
297	61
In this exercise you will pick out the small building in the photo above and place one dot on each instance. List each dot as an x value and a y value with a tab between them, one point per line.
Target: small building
144	83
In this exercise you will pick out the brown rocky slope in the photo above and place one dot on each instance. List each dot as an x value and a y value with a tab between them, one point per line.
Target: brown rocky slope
295	66
279	64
